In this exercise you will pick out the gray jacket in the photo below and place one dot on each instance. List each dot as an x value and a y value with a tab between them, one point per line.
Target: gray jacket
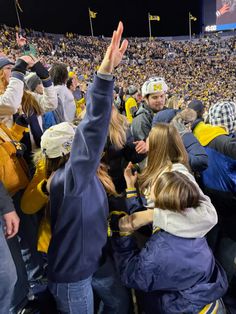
142	123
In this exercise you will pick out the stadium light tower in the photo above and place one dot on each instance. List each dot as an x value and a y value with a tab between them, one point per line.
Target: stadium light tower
190	19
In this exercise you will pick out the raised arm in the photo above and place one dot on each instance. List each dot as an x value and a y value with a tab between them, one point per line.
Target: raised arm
90	137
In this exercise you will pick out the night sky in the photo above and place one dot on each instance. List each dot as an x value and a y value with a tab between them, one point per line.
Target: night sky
72	15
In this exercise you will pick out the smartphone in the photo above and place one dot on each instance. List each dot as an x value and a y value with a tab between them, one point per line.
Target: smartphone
135	168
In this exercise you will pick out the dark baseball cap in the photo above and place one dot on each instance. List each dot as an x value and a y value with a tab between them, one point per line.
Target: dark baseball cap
5	61
196	105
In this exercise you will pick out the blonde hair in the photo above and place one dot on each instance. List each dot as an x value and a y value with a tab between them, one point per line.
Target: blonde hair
165	149
106	180
53	164
3	82
117	128
175	191
30	105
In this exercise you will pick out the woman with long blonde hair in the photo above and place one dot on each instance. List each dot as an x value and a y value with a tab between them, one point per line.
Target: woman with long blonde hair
11	84
31	104
162	153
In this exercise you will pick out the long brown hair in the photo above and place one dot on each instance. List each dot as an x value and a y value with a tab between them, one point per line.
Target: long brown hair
165	148
117	128
52	164
175	191
3	82
30	105
106	180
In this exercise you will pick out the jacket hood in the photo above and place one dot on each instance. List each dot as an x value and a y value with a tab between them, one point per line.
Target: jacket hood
164	116
205	133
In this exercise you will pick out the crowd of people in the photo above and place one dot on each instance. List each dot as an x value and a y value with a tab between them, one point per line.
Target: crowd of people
117	174
209	60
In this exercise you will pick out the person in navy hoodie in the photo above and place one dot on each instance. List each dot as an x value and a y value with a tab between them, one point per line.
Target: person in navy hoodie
78	202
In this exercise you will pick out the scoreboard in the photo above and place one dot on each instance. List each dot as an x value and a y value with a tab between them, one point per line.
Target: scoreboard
219	15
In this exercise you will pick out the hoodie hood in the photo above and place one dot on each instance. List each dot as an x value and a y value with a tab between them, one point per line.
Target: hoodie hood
205	133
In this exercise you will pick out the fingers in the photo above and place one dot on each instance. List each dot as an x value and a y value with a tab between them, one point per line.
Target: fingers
119	31
8	228
113	40
129	166
124	46
116	38
14	229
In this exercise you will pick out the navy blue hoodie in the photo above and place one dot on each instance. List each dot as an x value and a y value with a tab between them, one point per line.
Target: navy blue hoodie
78	201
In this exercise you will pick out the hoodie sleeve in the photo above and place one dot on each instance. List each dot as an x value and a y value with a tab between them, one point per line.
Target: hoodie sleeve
48	101
11	99
198	158
34	197
90	137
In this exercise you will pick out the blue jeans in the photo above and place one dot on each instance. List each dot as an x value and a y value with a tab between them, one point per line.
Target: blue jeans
116	298
8	275
73	298
28	239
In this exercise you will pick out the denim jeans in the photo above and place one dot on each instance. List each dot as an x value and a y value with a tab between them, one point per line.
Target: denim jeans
23	248
28	239
8	275
116	298
21	288
73	298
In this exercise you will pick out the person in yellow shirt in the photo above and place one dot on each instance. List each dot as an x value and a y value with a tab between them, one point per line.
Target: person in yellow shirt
131	105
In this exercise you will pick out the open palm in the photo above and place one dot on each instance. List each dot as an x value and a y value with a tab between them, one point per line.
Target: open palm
115	51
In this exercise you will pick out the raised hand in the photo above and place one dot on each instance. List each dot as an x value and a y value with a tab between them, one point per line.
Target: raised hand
224	9
21	41
115	52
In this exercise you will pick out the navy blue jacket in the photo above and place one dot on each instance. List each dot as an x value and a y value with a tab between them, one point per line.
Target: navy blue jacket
219	179
180	275
78	202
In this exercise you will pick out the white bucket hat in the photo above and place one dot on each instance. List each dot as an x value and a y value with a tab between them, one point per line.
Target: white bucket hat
57	140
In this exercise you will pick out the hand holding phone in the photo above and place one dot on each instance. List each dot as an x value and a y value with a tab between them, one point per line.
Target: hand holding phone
27	49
